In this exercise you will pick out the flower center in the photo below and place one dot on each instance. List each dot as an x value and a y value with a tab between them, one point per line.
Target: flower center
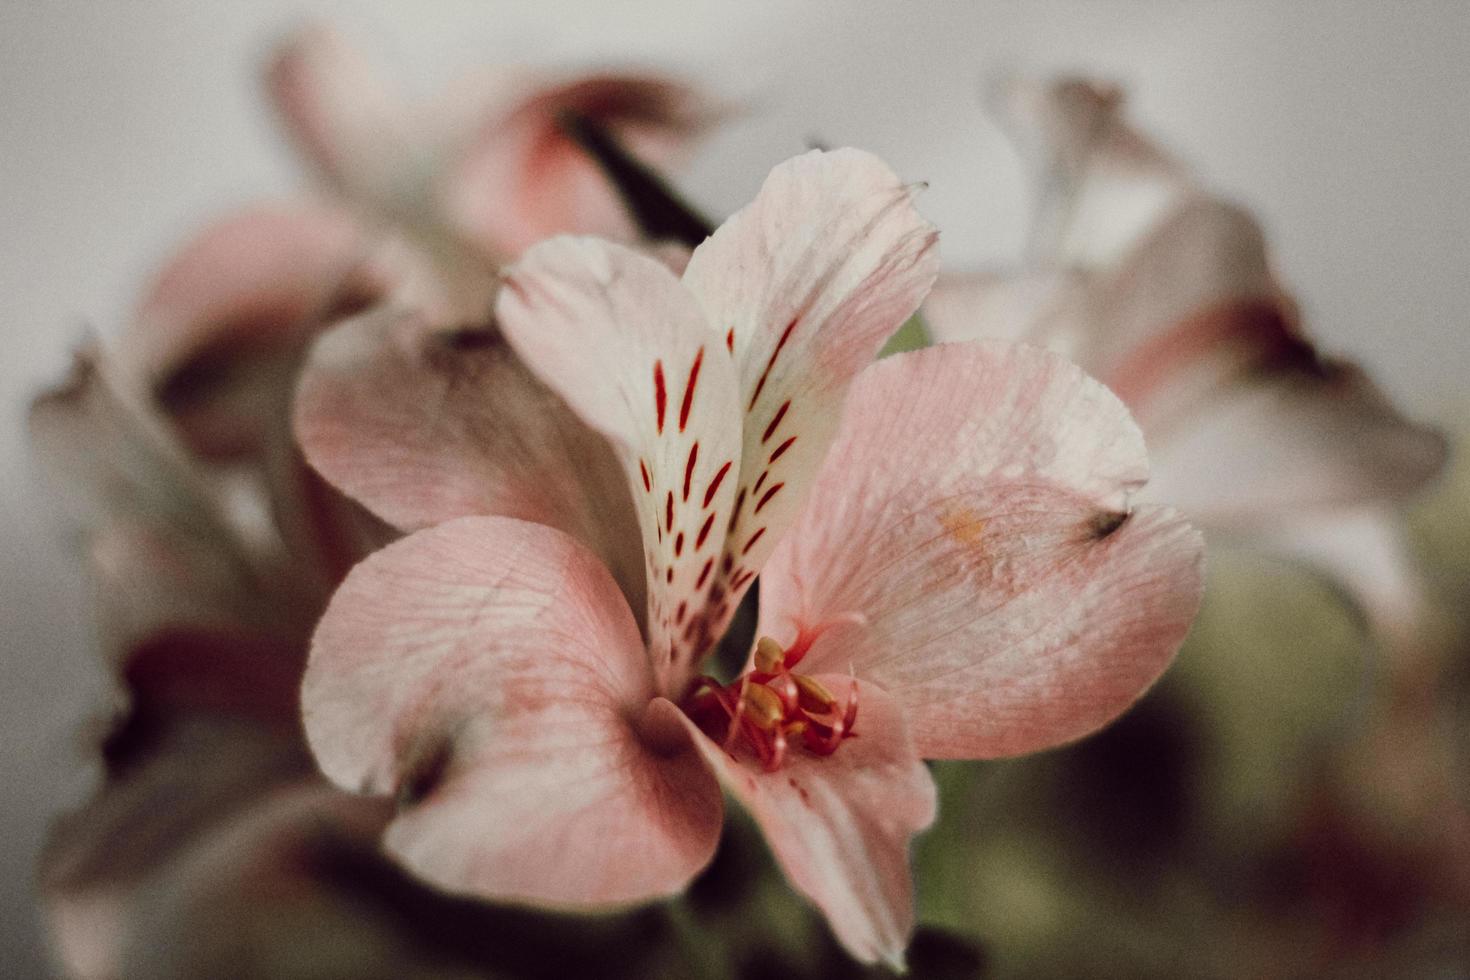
771	706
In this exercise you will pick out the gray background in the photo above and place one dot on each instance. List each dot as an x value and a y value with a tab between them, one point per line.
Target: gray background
123	125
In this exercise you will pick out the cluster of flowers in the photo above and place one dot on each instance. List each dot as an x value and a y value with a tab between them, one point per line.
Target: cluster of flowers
411	489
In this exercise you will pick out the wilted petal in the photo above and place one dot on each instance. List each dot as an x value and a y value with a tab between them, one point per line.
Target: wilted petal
488	673
840	824
424	424
164	551
615	334
803	286
1312	435
521	178
1099	184
968	547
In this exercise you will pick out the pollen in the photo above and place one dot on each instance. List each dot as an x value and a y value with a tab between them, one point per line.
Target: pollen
771	707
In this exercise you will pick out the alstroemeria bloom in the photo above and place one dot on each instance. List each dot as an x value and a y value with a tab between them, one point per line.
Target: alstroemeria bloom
1164	291
949	568
472	179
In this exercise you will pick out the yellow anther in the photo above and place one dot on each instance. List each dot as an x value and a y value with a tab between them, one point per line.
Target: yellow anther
762	706
768	655
813	693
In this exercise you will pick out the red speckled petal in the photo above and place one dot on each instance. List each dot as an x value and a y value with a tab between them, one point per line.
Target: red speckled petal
615	334
803	286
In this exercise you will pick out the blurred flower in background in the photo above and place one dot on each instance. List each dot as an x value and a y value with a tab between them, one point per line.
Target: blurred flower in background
1289	801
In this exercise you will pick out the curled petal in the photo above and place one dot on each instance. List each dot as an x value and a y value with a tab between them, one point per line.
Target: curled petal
219	333
164	550
424	424
972	528
488	673
840	824
803	286
520	178
615	334
1099	183
1364	551
1307	436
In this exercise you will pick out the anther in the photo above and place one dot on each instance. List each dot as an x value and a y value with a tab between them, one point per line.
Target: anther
768	655
814	697
763	707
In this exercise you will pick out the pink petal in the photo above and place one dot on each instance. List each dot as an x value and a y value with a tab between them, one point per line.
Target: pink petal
803	286
423	425
357	132
1099	183
615	334
1306	436
840	825
968	547
219	331
488	673
521	179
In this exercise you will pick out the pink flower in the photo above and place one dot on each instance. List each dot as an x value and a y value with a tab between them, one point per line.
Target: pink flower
471	179
1164	292
948	561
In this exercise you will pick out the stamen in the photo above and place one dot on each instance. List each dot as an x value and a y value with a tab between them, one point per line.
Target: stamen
768	655
763	707
770	705
814	697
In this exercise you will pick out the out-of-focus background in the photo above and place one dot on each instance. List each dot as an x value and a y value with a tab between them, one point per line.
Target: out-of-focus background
125	125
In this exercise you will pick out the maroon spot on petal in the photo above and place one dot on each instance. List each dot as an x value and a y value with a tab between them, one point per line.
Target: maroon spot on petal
760	482
669	510
683	609
1106	523
735	512
704	573
727	563
660	393
689	467
780	414
689	391
761	384
780	450
767	497
751	543
709	494
730	340
679	544
669	575
704	530
647	483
